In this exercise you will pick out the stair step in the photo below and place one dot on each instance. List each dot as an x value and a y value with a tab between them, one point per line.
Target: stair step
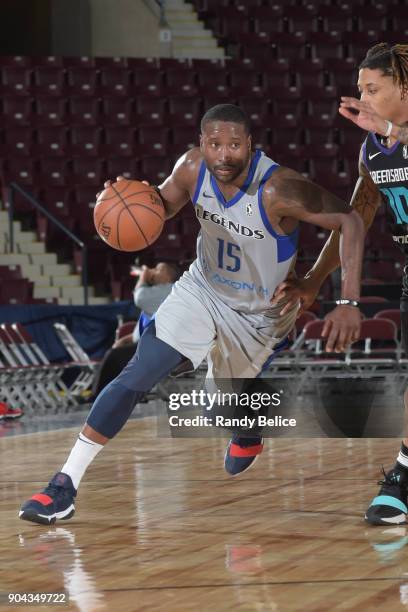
54	269
31	271
95	301
14	258
32	247
46	292
20	237
44	258
4	227
76	293
71	280
194	43
40	280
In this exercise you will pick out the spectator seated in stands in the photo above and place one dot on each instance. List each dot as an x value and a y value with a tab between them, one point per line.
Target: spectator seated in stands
152	288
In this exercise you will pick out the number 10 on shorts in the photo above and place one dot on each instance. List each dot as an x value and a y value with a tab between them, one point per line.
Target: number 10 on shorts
227	257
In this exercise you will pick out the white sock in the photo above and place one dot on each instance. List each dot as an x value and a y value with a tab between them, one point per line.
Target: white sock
83	453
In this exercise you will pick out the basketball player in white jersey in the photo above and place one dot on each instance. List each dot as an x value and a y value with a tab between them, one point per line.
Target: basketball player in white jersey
249	209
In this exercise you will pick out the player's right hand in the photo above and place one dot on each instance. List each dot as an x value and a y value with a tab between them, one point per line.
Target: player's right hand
294	290
118	178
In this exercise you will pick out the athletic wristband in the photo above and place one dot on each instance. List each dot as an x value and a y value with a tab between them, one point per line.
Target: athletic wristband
347	303
389	128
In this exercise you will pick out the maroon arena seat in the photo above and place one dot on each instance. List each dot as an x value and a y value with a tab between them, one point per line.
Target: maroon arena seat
8	272
116	111
150	111
17	142
50	111
113	81
122	166
16	291
48	81
18	110
393	314
119	141
88	171
84	111
81	81
53	172
51	141
15	81
84	140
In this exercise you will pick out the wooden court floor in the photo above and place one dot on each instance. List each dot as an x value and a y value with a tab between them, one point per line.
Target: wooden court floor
160	526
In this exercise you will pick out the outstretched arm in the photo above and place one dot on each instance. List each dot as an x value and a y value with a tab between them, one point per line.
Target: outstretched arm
294	196
368	119
366	200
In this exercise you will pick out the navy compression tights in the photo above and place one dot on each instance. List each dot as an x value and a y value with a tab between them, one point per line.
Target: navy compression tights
152	361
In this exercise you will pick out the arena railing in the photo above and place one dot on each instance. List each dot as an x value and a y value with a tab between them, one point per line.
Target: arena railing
13	187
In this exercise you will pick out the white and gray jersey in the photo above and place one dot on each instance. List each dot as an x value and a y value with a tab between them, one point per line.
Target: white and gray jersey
239	254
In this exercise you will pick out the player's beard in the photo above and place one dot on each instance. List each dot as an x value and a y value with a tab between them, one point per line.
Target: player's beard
233	171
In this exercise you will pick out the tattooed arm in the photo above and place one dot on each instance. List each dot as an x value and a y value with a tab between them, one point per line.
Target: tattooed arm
366	200
290	196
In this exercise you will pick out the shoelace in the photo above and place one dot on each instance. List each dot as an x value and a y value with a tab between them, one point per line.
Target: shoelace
54	490
390	480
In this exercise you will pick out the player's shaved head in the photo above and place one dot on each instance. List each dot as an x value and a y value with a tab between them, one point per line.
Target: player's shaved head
228	113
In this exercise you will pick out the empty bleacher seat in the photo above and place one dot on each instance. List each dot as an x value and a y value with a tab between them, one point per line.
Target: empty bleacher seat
81	81
150	111
116	111
113	81
87	171
17	110
16	291
84	140
184	111
15	81
122	166
155	169
51	141
48	81
118	141
84	111
53	172
17	142
49	111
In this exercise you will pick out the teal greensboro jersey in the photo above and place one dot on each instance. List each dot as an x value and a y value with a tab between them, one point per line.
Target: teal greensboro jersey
239	254
388	167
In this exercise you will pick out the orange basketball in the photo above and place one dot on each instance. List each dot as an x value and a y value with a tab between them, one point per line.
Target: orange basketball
129	215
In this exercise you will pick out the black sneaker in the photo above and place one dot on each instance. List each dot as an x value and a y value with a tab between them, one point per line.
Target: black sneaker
242	453
55	502
390	505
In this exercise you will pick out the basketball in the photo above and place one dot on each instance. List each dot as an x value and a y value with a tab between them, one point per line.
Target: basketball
129	215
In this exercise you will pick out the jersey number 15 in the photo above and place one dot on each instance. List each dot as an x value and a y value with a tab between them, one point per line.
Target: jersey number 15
228	257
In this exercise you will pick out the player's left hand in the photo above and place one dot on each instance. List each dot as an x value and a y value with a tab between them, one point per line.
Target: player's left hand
366	118
341	328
